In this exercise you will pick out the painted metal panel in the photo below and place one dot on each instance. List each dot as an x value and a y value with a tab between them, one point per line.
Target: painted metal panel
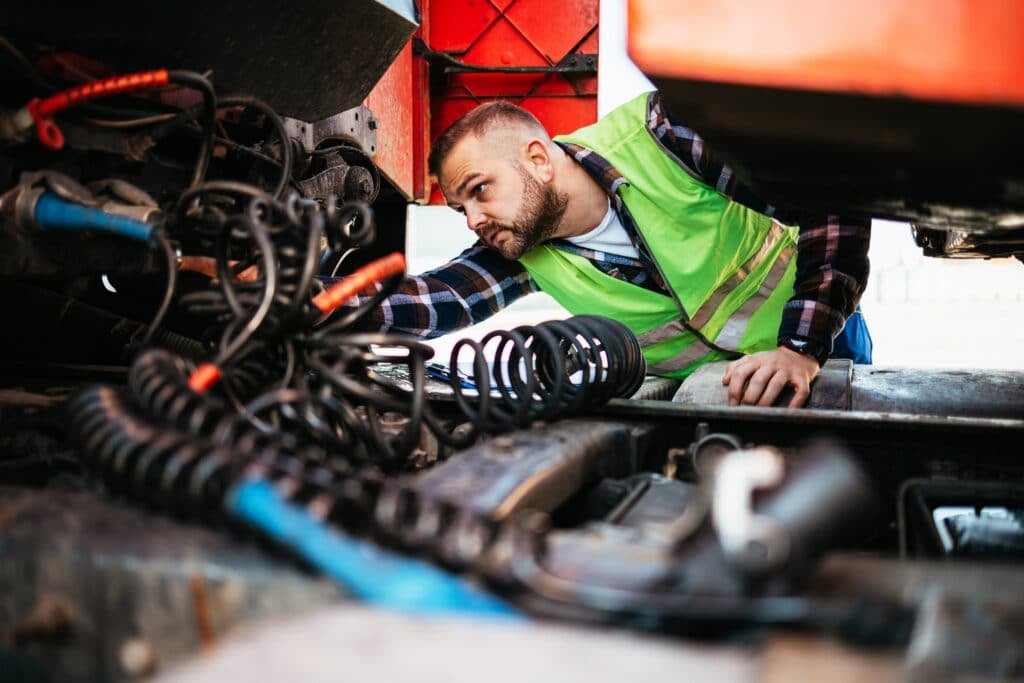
967	51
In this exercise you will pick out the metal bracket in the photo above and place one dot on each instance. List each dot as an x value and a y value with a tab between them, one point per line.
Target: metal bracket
357	125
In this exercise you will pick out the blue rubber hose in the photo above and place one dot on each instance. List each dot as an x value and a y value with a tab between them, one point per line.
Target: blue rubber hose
378	576
55	213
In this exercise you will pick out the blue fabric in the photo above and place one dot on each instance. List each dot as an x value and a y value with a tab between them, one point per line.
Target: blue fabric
854	341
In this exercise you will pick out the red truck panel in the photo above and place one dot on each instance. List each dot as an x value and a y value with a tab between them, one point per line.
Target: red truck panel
487	33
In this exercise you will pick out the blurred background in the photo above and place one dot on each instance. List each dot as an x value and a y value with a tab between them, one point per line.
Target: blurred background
922	312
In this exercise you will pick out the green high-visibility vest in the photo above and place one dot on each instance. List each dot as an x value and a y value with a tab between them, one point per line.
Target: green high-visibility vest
731	268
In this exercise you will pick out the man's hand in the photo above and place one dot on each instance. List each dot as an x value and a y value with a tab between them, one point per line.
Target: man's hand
208	267
758	379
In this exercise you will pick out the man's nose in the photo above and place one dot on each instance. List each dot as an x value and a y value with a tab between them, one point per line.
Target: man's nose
475	219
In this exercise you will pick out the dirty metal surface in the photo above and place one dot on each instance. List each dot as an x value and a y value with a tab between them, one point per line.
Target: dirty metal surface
308	59
95	591
538	468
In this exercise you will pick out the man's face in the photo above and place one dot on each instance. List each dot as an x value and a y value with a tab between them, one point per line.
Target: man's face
505	205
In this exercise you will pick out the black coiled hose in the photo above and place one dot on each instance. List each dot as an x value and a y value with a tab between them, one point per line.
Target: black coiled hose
555	369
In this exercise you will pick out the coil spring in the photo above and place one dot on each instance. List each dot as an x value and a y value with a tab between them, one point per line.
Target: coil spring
341	408
184	452
189	475
554	369
186	475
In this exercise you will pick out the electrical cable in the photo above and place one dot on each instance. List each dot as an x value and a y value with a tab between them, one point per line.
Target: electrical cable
131	123
171	263
278	125
208	124
230	346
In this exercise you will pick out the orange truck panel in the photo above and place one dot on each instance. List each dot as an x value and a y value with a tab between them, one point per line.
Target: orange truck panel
967	51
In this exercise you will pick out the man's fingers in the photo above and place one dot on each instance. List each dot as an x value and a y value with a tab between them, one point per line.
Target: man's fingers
759	379
802	389
738	382
727	377
756	385
775	386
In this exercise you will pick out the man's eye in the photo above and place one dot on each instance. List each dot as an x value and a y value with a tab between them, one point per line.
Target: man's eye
482	187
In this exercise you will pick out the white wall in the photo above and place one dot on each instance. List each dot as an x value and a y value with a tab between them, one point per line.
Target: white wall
618	78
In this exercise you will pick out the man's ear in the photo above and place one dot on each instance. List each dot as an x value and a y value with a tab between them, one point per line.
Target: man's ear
539	158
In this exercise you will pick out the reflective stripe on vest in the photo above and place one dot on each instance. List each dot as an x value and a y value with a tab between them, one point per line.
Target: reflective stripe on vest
734	328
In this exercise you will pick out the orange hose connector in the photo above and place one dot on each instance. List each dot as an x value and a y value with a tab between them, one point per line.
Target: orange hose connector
42	110
208	374
372	272
204	377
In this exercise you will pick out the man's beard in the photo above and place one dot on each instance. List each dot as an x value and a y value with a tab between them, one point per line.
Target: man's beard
537	220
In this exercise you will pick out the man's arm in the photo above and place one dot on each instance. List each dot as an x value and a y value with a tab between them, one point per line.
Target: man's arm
832	270
470	288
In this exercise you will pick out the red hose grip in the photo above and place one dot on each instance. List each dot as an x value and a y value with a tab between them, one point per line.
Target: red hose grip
47	131
102	88
42	111
372	272
204	377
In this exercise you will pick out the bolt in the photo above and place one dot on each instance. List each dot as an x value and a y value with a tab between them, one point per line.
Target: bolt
504	448
503	443
138	657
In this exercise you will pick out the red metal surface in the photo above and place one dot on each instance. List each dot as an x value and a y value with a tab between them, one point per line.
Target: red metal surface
512	33
967	51
488	33
398	103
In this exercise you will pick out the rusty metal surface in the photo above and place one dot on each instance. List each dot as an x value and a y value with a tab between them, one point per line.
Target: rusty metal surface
867	388
94	591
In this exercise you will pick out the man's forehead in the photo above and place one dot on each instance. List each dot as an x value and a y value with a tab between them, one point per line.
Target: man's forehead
468	155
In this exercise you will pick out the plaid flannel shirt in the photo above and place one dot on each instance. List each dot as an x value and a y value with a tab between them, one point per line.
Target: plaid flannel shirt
832	261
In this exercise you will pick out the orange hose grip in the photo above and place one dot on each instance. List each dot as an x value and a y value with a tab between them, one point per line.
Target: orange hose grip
103	88
42	111
372	272
204	377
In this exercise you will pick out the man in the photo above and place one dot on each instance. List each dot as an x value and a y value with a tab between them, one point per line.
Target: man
632	218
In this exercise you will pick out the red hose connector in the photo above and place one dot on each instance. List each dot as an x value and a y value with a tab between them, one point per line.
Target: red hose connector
42	110
204	377
372	272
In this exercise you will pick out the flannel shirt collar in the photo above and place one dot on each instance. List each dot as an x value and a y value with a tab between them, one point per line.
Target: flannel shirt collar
600	170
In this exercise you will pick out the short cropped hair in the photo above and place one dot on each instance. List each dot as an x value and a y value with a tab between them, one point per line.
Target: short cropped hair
478	121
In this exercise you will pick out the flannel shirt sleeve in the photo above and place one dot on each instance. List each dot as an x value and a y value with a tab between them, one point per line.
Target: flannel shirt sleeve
470	288
832	251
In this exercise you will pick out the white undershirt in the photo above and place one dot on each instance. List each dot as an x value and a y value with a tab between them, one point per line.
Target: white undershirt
609	236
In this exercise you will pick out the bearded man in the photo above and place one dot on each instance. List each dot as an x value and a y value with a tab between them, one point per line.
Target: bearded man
635	219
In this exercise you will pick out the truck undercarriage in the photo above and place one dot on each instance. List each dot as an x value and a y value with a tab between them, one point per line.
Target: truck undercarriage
186	453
